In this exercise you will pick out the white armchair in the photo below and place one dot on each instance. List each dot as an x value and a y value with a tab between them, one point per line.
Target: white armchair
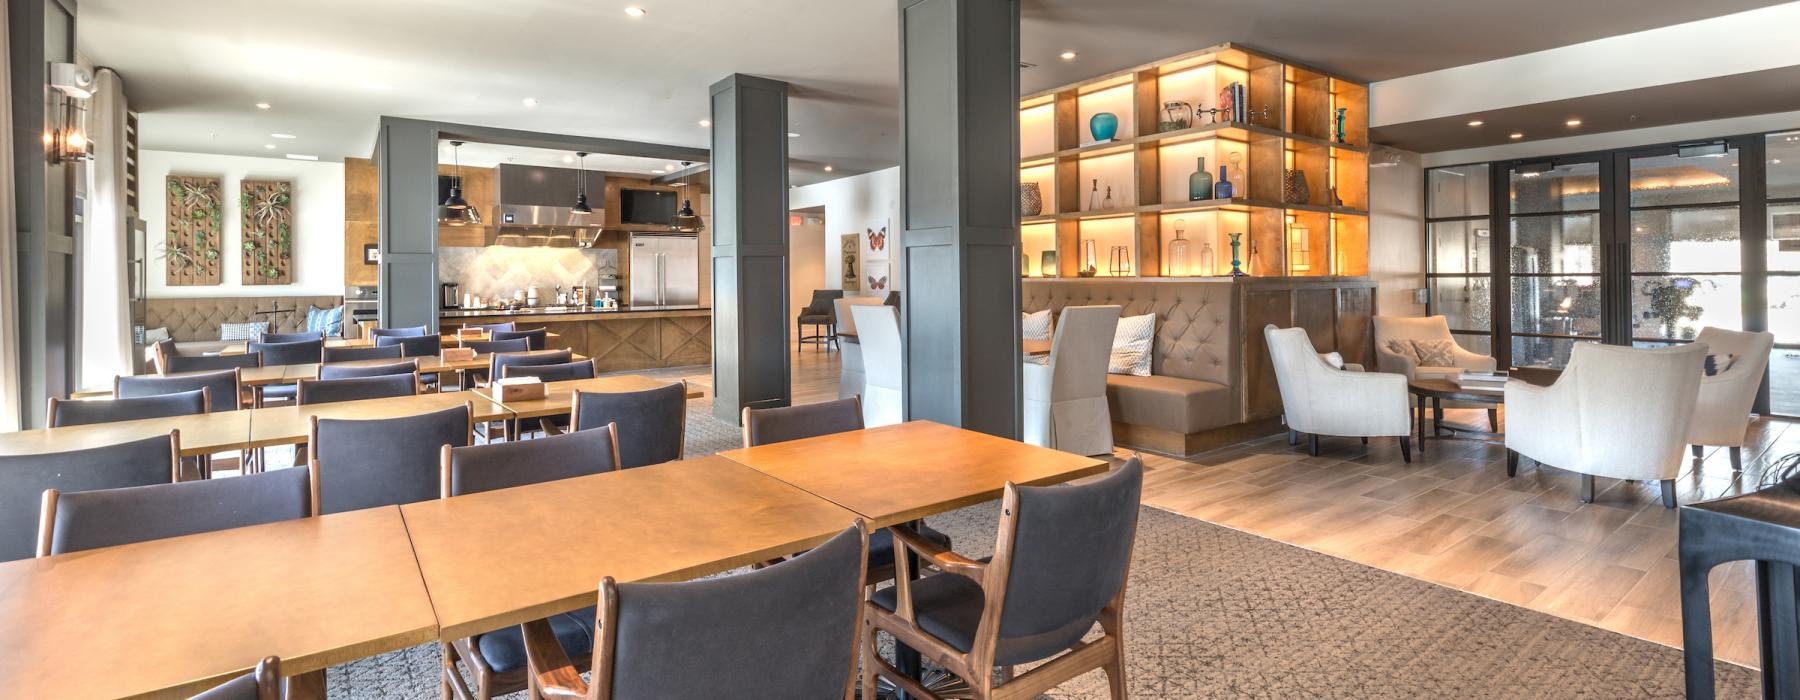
1722	411
1065	399
1616	412
850	380
1411	328
1319	399
878	333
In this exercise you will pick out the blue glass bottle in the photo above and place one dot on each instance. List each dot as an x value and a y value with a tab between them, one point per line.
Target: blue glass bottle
1222	190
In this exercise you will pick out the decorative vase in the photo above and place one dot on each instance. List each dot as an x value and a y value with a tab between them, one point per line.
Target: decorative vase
1200	184
1094	196
1222	190
1024	265
1047	266
1176	116
1104	126
1119	261
1340	124
1207	259
1293	187
1089	265
1031	199
1179	260
1107	203
1237	269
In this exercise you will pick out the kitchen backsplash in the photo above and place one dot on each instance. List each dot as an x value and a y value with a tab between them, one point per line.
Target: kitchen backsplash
496	272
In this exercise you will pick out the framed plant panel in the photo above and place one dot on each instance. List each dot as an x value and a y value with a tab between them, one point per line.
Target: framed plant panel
196	227
268	239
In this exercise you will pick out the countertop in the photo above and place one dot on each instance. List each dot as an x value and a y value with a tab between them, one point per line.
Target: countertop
568	311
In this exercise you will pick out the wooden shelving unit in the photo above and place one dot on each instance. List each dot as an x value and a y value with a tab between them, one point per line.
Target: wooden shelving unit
1291	125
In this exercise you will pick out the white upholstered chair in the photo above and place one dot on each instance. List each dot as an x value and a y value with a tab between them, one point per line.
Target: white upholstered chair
850	380
1319	399
1722	411
1616	412
878	336
1410	328
1065	399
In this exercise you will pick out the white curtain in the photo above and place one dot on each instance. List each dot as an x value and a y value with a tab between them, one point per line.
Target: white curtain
105	316
9	253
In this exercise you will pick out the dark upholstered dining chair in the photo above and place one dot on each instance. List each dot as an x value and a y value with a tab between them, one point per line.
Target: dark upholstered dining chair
210	363
224	388
538	338
1059	566
652	423
819	313
107	517
785	631
263	683
496	660
357	371
486	347
297	336
297	352
583	369
389	461
407	332
316	391
161	351
350	354
412	345
492	327
24	478
64	413
498	363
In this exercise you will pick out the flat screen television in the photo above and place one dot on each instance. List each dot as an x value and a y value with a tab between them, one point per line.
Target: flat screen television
655	207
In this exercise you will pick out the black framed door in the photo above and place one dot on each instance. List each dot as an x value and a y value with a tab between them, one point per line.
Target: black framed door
1556	262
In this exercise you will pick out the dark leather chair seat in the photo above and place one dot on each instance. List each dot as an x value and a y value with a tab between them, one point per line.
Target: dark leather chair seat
504	649
816	318
949	607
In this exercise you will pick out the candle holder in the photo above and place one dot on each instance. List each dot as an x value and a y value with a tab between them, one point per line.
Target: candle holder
1236	260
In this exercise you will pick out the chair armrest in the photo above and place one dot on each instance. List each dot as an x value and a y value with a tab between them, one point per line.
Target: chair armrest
1464	359
554	675
1352	367
1394	362
550	428
937	555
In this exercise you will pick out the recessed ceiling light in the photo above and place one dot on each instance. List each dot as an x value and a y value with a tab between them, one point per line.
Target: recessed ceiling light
263	105
568	159
793	135
530	101
1516	135
269	146
1573	122
283	136
635	11
827	168
1068	55
301	156
706	122
1476	122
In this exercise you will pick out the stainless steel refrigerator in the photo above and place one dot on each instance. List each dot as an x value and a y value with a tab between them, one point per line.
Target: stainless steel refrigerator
665	269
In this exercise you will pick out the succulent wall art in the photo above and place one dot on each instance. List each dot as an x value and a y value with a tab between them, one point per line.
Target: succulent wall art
190	249
268	231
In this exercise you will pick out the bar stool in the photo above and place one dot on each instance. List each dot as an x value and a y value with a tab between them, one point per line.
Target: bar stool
1764	527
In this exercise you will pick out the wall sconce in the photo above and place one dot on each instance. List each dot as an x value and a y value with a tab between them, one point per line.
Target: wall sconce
67	140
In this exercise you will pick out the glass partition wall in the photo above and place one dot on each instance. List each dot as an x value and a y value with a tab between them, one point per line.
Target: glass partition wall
1639	246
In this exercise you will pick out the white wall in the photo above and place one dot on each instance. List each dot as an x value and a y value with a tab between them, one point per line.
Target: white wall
318	220
850	204
1397	235
806	260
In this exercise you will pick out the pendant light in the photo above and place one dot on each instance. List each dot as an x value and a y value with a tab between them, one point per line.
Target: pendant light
455	210
581	208
686	219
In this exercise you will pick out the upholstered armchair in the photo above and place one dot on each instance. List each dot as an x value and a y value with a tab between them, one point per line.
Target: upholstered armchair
1065	399
1410	328
1319	399
819	314
878	330
850	380
1722	411
1617	412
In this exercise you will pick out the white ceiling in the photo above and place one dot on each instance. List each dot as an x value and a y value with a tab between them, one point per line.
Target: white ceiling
330	68
488	155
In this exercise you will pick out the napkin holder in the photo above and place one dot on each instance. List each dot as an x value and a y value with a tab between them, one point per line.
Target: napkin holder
519	389
458	354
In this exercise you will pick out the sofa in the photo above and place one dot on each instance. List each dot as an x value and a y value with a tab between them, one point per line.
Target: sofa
194	322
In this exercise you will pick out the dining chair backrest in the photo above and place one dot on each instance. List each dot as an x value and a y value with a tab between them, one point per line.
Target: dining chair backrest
768	425
499	465
161	351
492	327
485	347
82	520
536	337
411	345
349	354
652	423
297	336
222	387
410	331
878	329
315	391
498	362
298	352
791	626
89	411
262	683
1080	351
355	371
360	464
211	363
24	478
1065	552
583	369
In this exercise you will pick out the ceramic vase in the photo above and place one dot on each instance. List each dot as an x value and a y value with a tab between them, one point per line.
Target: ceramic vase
1294	189
1104	126
1047	266
1031	199
1222	189
1200	184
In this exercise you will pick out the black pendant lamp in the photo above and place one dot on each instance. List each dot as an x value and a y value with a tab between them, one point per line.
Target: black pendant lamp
686	219
455	210
581	207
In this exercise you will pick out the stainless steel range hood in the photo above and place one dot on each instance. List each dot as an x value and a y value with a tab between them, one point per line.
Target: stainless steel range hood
537	198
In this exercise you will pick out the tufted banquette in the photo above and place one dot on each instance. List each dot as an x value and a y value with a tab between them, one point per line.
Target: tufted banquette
194	322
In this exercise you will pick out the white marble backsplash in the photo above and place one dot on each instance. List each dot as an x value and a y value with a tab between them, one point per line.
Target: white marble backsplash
496	272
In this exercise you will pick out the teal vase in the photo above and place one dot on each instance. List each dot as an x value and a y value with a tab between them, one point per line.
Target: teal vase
1104	126
1200	184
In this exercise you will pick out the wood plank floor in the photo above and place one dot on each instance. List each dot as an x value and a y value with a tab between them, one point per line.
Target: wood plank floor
1453	517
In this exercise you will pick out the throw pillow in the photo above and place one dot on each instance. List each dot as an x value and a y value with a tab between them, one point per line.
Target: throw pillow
1717	364
1404	349
1131	345
328	321
156	335
242	331
1037	325
1435	353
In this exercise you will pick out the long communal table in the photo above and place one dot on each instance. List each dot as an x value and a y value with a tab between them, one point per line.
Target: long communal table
200	435
168	617
448	340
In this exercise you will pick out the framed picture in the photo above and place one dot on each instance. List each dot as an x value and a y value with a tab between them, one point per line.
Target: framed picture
876	275
851	248
875	238
371	254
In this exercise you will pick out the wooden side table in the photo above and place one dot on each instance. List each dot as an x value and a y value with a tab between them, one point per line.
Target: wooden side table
1439	390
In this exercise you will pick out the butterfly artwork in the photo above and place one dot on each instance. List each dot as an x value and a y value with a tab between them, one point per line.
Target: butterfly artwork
876	274
875	235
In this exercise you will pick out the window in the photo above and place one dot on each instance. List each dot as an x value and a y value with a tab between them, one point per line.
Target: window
1459	252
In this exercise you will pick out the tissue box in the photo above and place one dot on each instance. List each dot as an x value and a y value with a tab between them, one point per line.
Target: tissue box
457	354
471	333
518	389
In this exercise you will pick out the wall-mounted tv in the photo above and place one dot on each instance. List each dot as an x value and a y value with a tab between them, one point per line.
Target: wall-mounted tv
656	207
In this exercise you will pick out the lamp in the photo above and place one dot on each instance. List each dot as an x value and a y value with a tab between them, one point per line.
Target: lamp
67	140
581	207
686	219
455	210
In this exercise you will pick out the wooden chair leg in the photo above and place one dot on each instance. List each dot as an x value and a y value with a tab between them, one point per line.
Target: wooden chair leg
1587	488
306	686
1406	449
1737	459
1315	444
1668	493
1512	464
1115	673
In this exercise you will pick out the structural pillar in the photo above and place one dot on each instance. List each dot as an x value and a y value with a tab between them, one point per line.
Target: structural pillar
406	163
959	97
751	363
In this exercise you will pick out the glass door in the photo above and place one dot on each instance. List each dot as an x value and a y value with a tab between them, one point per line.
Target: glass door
1782	302
1558	237
1686	246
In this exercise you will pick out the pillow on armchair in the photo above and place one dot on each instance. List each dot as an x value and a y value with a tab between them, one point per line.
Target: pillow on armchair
1403	348
1435	353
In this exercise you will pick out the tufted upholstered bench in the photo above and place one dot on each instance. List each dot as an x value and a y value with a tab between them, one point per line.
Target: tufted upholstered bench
194	322
1196	386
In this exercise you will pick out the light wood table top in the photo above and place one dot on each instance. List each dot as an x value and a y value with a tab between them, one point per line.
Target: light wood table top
897	473
288	425
428	364
504	557
172	617
200	434
448	340
559	396
1037	347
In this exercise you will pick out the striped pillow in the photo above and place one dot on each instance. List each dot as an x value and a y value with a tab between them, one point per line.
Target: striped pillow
242	331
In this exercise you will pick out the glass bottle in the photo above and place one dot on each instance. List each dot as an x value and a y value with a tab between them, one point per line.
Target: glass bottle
1094	196
1222	190
1207	260
1090	263
1200	184
1107	203
1178	251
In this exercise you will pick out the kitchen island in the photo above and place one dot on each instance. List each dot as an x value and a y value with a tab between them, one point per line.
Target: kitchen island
623	339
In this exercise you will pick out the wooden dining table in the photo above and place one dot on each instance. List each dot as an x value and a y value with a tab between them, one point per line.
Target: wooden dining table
448	340
290	424
202	434
173	617
559	396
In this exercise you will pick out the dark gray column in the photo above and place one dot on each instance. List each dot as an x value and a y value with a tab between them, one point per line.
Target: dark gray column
406	163
959	87
46	210
749	245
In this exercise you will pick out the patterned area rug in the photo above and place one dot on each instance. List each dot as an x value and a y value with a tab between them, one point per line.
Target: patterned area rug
1214	612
